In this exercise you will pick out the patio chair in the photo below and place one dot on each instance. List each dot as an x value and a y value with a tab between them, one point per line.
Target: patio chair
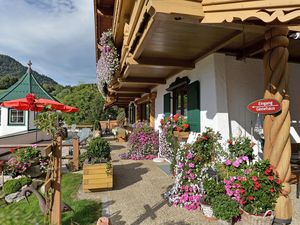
84	135
73	127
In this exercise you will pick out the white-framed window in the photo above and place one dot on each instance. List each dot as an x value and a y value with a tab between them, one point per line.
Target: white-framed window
16	117
0	114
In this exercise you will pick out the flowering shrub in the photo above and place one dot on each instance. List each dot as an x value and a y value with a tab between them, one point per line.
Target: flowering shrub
241	146
23	158
166	143
186	190
143	142
108	63
176	122
260	188
26	154
207	147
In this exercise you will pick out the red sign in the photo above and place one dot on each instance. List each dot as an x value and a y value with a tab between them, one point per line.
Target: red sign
265	106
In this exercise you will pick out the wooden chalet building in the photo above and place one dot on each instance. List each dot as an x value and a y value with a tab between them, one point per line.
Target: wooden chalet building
208	59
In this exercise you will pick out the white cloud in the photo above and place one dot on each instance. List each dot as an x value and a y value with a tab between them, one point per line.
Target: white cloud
57	35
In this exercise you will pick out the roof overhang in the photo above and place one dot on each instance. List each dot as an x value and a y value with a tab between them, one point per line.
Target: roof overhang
162	38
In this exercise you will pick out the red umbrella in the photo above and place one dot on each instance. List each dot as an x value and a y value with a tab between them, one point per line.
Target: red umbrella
70	109
30	102
54	104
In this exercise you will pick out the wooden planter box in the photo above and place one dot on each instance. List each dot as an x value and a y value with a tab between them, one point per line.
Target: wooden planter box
95	178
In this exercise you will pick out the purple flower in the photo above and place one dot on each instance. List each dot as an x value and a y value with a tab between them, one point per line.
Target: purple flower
236	163
228	162
191	165
180	165
245	158
190	155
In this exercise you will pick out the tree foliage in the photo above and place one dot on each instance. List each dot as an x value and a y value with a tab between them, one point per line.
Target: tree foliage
87	98
11	70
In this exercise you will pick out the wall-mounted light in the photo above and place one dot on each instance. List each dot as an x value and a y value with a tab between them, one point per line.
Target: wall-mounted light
294	35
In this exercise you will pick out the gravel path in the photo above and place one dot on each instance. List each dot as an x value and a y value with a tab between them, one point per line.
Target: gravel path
136	196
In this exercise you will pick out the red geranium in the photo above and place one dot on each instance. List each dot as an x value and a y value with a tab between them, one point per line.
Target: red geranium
11	150
178	129
185	126
204	138
254	178
250	198
272	190
279	181
271	178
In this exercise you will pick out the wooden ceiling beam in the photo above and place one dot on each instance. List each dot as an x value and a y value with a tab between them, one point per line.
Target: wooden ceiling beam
143	80
225	41
133	95
252	50
161	63
132	90
104	15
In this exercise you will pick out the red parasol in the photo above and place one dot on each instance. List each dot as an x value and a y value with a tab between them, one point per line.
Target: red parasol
70	109
30	102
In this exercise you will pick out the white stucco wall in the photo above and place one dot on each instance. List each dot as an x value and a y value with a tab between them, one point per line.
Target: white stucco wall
6	129
245	84
227	86
213	106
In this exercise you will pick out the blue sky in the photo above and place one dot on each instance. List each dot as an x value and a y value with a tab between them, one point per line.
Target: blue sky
57	35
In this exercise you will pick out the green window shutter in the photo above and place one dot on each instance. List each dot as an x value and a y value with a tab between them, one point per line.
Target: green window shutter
193	95
167	104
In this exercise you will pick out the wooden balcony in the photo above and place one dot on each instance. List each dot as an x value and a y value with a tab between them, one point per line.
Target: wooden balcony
162	38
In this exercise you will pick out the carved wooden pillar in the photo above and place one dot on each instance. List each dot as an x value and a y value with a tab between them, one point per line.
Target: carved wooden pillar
277	146
152	109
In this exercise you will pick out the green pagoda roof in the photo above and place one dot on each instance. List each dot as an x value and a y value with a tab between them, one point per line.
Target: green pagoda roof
25	85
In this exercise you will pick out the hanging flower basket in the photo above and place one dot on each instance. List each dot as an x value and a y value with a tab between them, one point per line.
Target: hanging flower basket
266	219
108	63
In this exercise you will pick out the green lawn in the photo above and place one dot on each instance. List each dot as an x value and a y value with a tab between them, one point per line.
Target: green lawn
86	211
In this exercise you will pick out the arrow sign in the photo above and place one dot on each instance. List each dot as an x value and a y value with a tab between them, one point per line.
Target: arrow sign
265	106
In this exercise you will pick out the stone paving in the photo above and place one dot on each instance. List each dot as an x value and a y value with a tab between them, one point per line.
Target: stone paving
136	196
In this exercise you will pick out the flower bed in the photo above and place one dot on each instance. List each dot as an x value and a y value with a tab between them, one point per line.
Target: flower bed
143	143
23	160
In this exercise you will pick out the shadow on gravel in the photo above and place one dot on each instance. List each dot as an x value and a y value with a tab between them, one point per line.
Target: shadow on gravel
127	174
115	147
150	212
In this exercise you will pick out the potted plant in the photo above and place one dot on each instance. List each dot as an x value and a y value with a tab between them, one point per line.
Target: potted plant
260	189
207	147
212	189
225	209
97	169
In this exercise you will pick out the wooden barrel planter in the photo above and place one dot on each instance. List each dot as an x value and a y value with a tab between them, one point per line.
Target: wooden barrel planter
96	177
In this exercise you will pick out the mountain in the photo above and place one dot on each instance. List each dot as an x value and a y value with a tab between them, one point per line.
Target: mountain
11	70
